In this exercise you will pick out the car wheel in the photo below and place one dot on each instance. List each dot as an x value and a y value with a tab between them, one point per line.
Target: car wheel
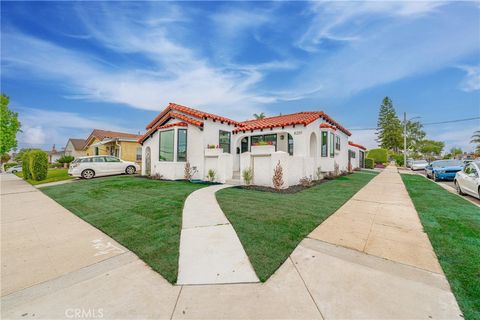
459	189
88	174
14	171
434	175
130	170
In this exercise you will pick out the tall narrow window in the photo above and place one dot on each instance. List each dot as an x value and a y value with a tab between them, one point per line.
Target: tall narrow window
182	145
324	144
224	140
337	142
96	151
290	144
166	145
332	145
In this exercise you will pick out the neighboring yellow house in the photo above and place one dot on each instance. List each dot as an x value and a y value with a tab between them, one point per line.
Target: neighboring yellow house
119	144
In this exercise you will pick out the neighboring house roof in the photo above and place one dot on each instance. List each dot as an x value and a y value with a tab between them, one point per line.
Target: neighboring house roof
299	118
77	144
356	145
192	112
104	134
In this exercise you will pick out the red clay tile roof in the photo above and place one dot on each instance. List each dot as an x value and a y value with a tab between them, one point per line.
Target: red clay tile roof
78	144
327	126
166	117
356	145
302	118
192	112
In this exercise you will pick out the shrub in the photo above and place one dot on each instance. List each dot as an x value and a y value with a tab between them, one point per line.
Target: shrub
66	159
9	165
211	175
26	165
398	159
38	165
336	169
188	172
378	155
278	176
306	182
55	165
369	163
156	176
247	175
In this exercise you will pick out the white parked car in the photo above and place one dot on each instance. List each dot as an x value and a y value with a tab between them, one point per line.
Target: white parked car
14	169
468	180
419	164
94	166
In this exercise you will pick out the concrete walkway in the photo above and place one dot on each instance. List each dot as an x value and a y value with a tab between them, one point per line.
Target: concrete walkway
210	251
381	220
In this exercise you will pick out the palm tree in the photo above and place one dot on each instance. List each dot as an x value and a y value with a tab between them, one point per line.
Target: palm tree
476	139
259	116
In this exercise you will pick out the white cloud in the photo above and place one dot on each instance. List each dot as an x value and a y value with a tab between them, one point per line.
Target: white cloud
33	136
471	82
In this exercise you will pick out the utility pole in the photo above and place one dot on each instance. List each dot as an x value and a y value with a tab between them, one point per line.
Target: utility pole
405	139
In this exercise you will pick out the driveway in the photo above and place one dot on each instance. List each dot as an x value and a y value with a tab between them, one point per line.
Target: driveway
55	265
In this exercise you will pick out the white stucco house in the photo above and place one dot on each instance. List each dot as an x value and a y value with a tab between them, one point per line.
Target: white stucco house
302	142
356	155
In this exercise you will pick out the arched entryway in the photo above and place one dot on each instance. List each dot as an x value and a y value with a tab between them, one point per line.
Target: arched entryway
148	161
313	145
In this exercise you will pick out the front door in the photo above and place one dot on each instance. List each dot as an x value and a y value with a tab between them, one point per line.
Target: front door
148	162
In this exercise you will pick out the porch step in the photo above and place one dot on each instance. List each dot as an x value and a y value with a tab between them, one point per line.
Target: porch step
234	182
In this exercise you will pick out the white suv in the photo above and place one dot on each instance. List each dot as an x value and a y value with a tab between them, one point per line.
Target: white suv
94	166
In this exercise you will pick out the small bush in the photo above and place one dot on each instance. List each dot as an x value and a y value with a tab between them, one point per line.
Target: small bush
336	169
156	176
369	163
66	159
211	175
247	175
188	172
38	165
278	176
319	173
55	165
306	182
378	155
7	166
26	165
398	159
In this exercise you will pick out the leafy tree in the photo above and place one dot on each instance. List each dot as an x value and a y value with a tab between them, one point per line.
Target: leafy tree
455	152
415	135
476	140
65	159
431	148
9	126
259	116
389	127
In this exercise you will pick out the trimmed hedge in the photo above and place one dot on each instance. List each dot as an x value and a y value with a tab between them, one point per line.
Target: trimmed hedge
26	166
398	159
378	155
369	163
38	165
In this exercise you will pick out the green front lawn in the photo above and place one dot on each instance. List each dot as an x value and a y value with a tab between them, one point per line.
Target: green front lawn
270	225
143	215
453	226
53	175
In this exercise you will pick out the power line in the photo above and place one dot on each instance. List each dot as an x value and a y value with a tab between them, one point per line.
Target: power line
427	124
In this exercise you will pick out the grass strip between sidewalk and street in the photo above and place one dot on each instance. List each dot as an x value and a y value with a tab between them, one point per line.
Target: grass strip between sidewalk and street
453	227
53	175
270	225
143	215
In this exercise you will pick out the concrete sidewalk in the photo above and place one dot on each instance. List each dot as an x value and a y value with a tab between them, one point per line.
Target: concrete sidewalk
210	251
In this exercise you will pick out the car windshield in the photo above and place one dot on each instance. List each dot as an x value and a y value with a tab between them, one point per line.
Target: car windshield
447	163
419	161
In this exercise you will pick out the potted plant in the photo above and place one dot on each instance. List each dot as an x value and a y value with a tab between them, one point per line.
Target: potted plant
213	150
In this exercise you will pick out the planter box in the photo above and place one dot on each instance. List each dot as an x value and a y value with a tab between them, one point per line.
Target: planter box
262	150
213	152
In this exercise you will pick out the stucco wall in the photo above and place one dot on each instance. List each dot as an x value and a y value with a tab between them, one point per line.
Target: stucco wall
70	151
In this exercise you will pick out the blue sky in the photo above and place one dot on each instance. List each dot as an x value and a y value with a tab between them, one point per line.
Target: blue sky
69	67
